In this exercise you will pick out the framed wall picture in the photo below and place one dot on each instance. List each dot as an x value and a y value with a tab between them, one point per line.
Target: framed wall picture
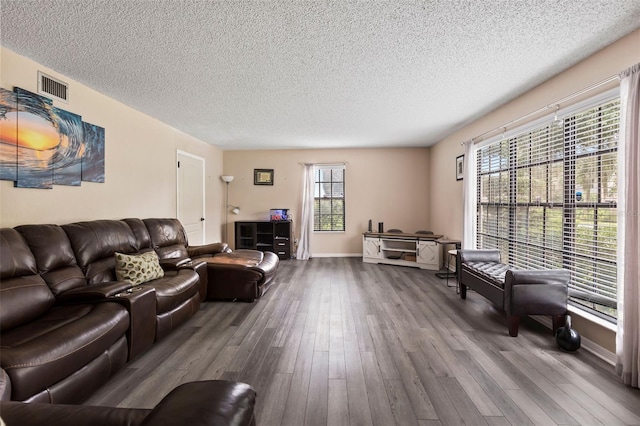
460	167
263	176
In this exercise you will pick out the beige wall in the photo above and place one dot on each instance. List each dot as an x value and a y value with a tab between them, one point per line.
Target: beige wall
384	185
446	192
140	163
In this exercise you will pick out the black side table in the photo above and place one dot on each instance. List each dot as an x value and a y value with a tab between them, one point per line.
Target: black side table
453	254
448	274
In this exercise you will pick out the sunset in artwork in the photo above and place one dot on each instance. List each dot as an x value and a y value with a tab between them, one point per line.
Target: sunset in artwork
42	145
34	132
8	128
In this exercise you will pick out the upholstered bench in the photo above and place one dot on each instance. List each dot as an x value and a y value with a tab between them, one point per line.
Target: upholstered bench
518	292
242	274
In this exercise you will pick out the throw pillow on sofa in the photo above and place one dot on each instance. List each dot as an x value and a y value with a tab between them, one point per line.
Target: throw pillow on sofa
138	268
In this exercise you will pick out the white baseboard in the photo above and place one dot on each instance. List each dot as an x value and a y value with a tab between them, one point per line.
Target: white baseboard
586	344
336	255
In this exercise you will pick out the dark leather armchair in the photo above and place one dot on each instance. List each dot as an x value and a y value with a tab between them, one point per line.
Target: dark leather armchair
205	403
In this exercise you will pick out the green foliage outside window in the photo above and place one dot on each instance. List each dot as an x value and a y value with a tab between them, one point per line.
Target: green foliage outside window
547	199
329	200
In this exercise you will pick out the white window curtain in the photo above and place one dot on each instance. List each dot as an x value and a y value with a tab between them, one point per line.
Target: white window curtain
469	200
628	335
306	231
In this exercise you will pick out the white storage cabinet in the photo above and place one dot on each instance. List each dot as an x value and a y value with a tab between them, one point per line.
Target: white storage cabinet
413	250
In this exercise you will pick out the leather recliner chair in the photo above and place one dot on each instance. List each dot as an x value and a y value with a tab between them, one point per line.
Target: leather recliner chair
52	351
168	239
241	274
95	243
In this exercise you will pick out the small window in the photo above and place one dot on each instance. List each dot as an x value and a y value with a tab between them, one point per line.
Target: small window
328	210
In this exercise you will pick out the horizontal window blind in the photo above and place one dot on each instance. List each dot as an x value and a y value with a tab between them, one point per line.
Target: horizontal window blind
547	198
329	205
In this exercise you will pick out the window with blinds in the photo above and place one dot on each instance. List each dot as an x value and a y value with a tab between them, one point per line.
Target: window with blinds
328	211
547	198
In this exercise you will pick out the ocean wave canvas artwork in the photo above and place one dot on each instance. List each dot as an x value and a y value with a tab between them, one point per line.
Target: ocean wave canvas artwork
37	140
8	135
67	158
93	156
42	145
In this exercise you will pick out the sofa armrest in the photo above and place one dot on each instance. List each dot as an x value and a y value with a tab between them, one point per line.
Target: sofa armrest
94	292
269	262
205	403
538	292
467	255
140	302
208	249
173	264
200	266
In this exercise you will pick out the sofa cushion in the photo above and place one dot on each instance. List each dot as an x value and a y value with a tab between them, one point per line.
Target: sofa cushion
491	271
94	244
246	258
167	237
44	351
24	295
140	231
175	288
58	267
23	299
138	268
16	259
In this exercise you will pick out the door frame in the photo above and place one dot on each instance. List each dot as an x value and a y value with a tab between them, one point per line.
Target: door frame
204	208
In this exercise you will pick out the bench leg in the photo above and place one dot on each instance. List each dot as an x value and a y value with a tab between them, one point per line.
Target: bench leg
463	291
514	324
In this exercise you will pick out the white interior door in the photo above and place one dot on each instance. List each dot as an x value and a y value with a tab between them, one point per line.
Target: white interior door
190	209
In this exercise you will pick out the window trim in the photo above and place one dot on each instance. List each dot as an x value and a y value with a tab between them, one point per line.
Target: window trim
536	124
331	166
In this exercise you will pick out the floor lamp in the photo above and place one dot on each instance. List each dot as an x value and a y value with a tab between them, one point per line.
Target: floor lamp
227	179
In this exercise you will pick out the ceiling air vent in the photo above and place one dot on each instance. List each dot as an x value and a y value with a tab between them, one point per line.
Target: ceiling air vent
49	86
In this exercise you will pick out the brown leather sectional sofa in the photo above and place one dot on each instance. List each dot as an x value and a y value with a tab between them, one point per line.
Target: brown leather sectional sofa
67	324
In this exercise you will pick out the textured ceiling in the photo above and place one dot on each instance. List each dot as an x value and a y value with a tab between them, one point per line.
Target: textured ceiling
303	74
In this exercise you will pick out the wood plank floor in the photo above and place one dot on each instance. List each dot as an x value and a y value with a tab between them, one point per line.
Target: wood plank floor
340	342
